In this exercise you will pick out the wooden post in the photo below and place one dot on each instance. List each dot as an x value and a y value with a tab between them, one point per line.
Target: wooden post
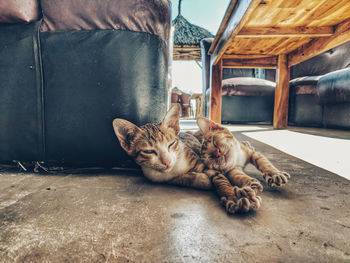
216	92
280	115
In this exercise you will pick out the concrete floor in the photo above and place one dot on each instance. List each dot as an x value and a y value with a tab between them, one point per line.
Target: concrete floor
121	217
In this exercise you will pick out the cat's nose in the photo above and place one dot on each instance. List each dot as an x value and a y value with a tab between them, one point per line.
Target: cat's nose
219	153
166	162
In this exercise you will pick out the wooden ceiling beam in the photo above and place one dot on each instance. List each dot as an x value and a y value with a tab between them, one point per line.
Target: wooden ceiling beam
268	62
223	24
244	56
242	11
299	31
318	46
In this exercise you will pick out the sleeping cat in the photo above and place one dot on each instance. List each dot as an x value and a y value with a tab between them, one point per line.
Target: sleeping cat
165	155
221	151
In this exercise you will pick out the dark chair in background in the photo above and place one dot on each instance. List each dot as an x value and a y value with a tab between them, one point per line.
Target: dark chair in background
245	98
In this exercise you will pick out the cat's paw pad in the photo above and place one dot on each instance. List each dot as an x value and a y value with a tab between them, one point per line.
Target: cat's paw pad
230	204
256	202
277	179
244	204
249	193
245	191
256	186
233	204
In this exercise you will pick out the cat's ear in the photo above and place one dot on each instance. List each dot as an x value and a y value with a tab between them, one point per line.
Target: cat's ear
172	117
206	125
125	132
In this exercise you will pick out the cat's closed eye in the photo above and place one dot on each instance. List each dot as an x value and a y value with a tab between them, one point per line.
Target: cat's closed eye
171	144
149	152
214	143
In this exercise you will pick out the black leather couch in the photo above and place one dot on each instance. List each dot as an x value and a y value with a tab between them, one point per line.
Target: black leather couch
320	90
69	67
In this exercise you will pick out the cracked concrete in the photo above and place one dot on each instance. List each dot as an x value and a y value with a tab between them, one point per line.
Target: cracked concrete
116	216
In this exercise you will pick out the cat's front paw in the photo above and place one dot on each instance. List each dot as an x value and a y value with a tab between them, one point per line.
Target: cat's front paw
243	204
256	186
248	193
245	191
230	204
243	200
276	179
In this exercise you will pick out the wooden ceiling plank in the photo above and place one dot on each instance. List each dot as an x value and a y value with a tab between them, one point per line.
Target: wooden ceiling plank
305	10
267	62
286	46
240	15
300	31
320	45
285	12
327	11
244	56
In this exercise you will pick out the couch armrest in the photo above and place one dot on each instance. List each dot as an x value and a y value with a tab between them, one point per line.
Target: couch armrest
134	15
19	11
334	87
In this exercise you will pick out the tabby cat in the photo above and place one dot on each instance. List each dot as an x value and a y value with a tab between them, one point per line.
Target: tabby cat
221	151
166	155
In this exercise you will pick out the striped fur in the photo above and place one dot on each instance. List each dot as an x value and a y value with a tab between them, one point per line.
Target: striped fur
221	151
168	156
164	154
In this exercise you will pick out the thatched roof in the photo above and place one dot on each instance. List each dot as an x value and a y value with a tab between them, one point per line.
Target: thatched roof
186	33
186	38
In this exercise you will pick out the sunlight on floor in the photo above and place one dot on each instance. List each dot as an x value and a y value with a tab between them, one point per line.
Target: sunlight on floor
190	125
328	153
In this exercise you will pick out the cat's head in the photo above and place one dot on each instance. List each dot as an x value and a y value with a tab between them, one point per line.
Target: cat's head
216	144
151	145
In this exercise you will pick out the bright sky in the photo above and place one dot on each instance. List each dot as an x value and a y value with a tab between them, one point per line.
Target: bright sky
187	75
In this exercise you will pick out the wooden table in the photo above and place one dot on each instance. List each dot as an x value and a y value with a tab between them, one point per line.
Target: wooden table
275	34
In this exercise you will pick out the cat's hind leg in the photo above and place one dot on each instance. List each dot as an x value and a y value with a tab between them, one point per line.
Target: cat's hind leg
271	174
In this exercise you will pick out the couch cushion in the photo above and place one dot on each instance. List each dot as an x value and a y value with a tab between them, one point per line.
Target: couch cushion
246	86
303	90
304	85
19	11
334	87
309	80
151	16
